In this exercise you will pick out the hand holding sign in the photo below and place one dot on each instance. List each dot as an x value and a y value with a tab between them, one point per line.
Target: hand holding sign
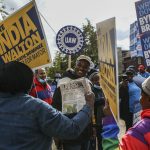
107	110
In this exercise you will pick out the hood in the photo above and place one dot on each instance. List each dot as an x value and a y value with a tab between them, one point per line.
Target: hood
145	113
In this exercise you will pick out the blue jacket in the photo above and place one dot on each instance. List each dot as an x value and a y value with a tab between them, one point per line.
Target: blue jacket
134	96
41	91
27	123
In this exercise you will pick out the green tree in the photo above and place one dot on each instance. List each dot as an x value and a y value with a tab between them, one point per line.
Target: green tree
59	65
90	48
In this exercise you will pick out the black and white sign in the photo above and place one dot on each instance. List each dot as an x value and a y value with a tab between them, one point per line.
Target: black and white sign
70	40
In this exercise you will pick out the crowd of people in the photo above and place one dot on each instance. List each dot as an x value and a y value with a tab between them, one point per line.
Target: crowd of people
136	137
32	109
28	123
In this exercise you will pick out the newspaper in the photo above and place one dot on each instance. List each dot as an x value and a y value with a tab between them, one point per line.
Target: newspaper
73	94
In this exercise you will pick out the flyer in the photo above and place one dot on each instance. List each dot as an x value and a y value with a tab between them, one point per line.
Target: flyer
73	94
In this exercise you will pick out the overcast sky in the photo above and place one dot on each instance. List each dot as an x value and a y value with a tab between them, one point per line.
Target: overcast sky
60	13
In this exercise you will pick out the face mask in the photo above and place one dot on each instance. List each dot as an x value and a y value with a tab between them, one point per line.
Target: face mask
130	80
97	86
42	81
57	79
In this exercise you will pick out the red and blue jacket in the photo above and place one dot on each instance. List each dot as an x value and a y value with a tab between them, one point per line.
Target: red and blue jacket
136	138
41	91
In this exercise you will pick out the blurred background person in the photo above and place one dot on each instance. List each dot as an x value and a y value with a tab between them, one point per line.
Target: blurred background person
143	72
137	78
54	83
98	105
40	88
148	69
129	94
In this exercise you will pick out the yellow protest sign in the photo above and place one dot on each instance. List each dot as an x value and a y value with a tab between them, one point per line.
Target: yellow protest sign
22	38
107	54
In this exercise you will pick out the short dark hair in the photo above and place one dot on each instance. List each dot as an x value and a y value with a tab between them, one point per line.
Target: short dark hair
37	71
15	77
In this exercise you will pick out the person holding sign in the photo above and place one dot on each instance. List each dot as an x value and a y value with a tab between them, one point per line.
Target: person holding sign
71	86
27	123
138	136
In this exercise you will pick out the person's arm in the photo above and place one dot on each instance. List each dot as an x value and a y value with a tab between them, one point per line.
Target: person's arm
54	124
109	135
110	130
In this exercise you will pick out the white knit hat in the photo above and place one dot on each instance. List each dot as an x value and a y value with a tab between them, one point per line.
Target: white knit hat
87	59
146	86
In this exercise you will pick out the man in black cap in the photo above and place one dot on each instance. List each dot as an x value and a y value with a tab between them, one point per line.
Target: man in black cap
129	94
138	79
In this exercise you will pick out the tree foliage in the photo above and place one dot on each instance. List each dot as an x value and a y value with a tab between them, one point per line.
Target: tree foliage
90	49
59	65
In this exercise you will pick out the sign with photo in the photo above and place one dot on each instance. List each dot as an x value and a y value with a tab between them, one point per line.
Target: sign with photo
135	41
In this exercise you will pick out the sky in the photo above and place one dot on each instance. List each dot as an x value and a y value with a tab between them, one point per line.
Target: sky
59	13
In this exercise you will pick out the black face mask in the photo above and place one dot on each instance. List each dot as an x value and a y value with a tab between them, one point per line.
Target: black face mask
130	80
57	79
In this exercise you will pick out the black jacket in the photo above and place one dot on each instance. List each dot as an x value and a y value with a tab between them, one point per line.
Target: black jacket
124	101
